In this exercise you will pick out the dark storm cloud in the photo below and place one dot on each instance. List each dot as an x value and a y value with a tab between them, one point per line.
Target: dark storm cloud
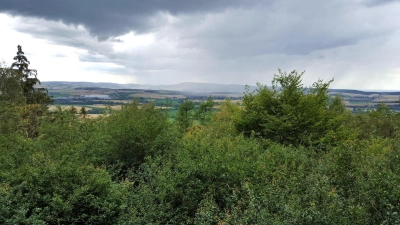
234	41
224	28
298	28
105	18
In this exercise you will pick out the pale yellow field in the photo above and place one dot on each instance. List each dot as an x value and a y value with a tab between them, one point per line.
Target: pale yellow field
118	101
386	98
153	95
67	107
232	101
85	92
219	101
94	116
105	106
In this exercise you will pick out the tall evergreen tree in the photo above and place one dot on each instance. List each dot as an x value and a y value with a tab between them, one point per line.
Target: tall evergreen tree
28	79
10	99
21	98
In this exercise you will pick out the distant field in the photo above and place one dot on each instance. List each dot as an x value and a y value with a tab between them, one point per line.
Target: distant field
155	95
163	98
66	107
105	106
77	92
94	115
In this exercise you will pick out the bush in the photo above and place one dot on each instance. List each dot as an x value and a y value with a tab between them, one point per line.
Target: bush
135	133
288	113
35	188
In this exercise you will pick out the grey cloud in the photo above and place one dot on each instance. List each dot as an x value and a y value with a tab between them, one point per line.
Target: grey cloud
247	33
61	34
106	18
117	40
224	41
372	3
236	32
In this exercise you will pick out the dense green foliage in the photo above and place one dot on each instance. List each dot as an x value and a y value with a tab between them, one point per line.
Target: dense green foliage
288	155
184	118
22	102
288	113
204	112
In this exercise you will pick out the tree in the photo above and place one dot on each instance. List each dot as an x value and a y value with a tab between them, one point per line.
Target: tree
10	88
73	110
336	105
135	133
11	100
287	113
184	117
29	81
83	112
381	122
224	119
20	94
205	109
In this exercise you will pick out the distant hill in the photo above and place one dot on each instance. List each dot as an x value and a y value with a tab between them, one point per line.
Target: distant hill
364	92
186	87
203	87
88	84
191	87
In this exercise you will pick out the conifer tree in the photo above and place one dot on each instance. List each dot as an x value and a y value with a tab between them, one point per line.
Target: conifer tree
10	99
21	97
28	79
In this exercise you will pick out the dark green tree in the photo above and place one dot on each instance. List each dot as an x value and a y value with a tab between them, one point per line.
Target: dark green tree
83	112
11	100
19	91
29	81
204	111
10	88
381	122
337	106
73	110
135	133
288	113
184	117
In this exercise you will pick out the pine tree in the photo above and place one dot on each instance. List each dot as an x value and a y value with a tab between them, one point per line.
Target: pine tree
11	99
22	103
28	79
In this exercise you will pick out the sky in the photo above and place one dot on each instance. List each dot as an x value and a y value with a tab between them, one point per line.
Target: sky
354	42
